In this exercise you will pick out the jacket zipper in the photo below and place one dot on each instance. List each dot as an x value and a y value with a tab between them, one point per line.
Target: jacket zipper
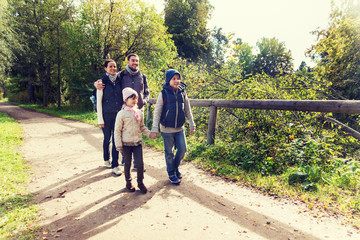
177	109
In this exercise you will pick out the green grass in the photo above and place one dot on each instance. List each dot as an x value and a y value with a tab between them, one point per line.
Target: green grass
17	210
65	112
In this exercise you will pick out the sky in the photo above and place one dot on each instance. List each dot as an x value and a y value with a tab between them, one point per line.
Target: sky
290	21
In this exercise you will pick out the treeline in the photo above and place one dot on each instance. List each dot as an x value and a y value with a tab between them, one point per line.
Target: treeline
53	50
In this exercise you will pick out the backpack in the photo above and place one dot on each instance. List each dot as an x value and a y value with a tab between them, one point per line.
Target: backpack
93	99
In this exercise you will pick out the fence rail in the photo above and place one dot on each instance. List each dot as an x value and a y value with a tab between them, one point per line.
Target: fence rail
333	106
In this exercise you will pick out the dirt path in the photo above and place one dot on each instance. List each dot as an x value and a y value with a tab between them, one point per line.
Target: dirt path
80	199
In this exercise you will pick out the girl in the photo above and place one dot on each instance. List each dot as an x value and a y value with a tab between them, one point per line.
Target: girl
109	103
129	125
172	106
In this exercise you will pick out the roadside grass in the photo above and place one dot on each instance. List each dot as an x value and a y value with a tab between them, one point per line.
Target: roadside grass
18	212
329	198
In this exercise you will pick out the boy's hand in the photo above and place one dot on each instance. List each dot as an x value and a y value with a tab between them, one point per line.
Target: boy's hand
154	135
102	125
192	130
120	150
99	84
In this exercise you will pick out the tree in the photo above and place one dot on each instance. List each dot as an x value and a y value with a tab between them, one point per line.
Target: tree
219	47
337	51
186	21
273	58
36	58
113	29
6	41
243	57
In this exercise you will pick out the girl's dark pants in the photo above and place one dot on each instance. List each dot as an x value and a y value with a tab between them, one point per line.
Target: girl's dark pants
108	130
128	151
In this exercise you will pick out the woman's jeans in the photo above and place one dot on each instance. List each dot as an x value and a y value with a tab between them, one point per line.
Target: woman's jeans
108	130
178	141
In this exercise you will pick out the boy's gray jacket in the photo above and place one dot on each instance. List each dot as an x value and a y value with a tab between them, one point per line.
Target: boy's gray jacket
138	82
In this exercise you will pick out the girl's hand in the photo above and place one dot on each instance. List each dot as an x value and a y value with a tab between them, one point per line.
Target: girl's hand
154	135
102	125
192	130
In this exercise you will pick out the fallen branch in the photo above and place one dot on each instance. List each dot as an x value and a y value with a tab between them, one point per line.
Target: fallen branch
343	127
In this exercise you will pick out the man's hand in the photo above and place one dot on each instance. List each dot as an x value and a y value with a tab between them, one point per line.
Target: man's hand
102	125
99	84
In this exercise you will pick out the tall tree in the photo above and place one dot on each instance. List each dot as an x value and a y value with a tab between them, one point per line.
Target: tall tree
36	59
6	41
337	51
220	46
243	57
273	57
186	21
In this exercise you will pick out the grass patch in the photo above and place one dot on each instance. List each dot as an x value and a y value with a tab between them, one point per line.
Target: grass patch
336	194
18	213
66	112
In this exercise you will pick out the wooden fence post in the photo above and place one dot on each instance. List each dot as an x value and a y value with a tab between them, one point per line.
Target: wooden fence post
212	125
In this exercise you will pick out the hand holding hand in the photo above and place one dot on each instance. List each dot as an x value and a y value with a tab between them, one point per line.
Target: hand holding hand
154	135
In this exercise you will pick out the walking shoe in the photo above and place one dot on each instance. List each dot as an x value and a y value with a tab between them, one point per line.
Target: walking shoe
174	179
142	188
116	171
178	174
130	187
107	164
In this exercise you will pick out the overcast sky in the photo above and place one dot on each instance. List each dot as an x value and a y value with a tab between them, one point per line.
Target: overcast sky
290	21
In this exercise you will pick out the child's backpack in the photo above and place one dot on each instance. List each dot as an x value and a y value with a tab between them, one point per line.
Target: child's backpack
93	99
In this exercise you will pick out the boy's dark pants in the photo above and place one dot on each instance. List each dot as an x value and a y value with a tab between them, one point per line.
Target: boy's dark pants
108	130
138	158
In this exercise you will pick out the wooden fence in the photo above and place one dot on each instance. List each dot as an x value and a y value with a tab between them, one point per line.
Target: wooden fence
333	106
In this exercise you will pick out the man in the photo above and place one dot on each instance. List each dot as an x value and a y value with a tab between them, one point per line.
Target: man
133	78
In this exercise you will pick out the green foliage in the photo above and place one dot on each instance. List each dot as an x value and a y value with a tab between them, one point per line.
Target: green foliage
186	21
273	58
337	51
16	206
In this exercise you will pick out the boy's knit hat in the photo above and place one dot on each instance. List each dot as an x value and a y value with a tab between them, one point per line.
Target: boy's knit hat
127	92
170	73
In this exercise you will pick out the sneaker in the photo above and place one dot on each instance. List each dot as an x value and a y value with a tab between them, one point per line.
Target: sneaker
107	164
174	179
116	171
178	174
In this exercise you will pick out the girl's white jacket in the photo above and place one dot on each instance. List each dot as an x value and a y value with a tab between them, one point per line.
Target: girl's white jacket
128	130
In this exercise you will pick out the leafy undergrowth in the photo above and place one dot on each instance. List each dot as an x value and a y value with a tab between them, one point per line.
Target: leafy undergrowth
335	194
18	212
